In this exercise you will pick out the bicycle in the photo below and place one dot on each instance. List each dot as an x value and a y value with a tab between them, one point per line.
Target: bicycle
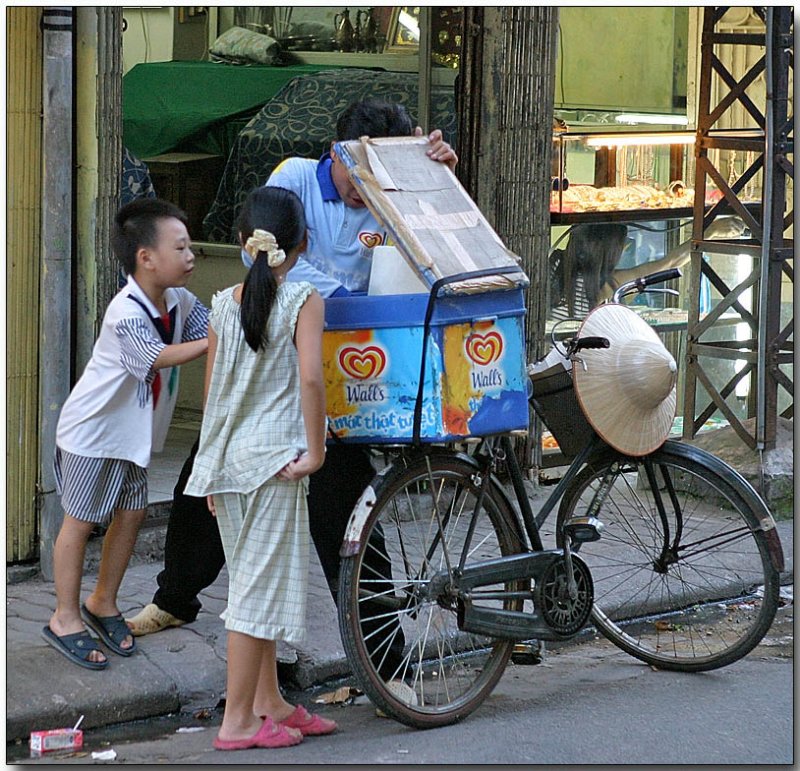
672	556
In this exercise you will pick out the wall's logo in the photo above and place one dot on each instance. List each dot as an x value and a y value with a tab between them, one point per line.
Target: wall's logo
362	363
484	349
370	240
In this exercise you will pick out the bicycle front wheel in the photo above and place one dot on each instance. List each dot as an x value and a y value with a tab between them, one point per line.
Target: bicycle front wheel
399	629
682	573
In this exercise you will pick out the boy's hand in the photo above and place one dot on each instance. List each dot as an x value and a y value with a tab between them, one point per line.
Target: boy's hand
439	149
300	467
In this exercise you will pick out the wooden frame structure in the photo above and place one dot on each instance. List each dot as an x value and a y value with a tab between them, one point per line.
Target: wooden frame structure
769	350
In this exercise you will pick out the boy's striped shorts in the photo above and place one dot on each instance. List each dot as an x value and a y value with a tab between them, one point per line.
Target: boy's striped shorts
91	489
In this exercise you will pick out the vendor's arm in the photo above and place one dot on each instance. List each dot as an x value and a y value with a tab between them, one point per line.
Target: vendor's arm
304	271
326	286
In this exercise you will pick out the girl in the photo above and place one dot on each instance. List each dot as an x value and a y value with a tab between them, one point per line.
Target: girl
263	433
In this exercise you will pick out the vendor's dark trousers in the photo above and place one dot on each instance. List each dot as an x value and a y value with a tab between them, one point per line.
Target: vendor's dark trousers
193	554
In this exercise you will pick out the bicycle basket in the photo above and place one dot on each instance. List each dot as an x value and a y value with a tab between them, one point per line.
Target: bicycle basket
555	402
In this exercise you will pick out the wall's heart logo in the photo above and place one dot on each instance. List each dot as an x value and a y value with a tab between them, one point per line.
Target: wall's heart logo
362	363
370	240
484	349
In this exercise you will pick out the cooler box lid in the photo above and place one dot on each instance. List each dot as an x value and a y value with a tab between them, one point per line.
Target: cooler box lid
434	223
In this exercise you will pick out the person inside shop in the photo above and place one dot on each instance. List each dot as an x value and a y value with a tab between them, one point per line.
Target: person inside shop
341	235
585	273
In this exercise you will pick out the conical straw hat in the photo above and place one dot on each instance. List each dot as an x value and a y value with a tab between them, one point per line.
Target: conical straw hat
627	391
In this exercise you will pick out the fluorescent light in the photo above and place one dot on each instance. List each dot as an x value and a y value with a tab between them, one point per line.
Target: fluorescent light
656	120
622	140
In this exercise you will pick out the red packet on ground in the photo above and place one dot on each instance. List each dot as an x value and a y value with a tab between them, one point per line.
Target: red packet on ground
56	739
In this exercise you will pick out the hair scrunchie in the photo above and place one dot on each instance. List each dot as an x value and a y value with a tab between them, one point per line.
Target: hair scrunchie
264	241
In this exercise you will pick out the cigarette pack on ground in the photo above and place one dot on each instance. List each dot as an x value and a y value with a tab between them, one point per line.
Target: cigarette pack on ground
56	739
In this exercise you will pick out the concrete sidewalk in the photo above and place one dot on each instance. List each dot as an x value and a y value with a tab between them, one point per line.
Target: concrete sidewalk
177	669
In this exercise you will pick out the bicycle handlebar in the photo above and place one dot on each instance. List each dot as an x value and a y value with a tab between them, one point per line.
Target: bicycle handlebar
582	343
643	282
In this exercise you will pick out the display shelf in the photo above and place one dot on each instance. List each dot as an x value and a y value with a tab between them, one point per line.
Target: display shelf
623	215
636	215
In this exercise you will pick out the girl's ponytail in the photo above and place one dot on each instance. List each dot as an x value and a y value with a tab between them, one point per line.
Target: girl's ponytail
258	295
278	212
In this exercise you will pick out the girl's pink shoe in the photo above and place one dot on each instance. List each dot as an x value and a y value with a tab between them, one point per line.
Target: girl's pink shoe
308	724
269	736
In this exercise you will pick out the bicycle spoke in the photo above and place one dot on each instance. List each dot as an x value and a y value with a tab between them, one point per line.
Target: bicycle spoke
667	585
423	524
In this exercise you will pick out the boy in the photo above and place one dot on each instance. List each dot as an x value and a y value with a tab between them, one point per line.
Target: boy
116	415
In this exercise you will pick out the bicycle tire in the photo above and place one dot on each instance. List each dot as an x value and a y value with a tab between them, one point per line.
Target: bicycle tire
692	592
450	671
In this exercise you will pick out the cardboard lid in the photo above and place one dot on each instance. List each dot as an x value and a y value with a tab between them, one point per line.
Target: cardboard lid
435	225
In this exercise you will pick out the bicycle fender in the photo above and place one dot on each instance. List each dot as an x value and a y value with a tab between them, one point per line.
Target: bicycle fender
354	532
351	543
742	487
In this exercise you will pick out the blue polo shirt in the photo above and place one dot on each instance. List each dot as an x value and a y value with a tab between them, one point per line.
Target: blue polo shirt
340	238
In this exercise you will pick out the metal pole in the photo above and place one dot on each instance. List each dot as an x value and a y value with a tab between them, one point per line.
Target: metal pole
56	256
425	47
766	239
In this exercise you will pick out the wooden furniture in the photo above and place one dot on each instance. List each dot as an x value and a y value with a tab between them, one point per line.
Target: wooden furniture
190	181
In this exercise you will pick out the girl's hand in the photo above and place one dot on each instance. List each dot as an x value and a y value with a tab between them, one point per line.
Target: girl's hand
300	467
439	149
211	507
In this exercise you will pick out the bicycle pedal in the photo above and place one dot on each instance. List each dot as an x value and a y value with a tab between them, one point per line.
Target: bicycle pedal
584	529
527	654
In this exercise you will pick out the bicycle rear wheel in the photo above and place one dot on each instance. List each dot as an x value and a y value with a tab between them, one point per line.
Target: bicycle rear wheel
399	630
683	577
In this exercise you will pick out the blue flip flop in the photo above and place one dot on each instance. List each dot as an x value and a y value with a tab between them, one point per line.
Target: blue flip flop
76	647
112	630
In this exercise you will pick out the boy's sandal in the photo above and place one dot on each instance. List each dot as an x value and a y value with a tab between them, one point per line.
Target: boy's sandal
269	736
112	630
76	647
308	724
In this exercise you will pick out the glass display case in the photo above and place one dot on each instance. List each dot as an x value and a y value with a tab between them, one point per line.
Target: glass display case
602	174
304	34
618	175
622	206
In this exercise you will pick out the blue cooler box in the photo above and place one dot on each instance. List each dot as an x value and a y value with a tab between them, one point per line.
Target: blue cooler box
474	380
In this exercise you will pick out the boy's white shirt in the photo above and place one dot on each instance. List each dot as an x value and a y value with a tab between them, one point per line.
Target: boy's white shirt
109	413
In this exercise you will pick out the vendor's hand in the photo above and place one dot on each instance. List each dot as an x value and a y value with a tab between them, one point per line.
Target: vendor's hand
300	467
211	507
439	149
